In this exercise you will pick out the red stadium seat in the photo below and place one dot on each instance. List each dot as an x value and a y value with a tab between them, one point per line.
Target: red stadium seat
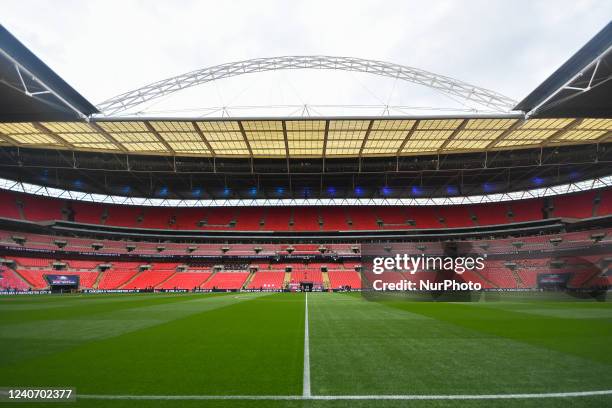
189	218
456	216
41	209
123	216
334	219
220	218
305	219
114	279
424	217
158	218
580	205
491	214
339	279
267	280
249	218
9	280
33	262
574	205
8	205
526	210
185	280
362	218
35	277
306	275
148	279
87	213
277	219
75	264
605	205
395	218
226	280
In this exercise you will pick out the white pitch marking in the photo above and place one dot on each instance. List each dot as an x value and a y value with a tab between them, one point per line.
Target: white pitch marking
349	397
306	394
306	377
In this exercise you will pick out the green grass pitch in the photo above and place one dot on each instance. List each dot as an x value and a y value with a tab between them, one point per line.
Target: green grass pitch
245	344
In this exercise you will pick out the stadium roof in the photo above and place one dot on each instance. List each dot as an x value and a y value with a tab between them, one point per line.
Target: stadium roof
30	90
285	158
299	138
579	88
39	110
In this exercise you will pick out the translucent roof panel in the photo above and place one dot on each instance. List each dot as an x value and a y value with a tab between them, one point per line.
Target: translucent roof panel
69	127
16	128
76	138
173	126
126	127
35	139
333	137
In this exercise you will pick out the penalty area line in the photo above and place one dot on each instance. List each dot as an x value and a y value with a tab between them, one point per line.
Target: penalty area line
348	397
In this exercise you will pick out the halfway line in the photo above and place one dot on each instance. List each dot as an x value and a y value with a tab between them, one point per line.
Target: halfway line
306	377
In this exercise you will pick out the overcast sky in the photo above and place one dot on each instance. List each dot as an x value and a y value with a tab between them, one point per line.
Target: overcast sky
103	48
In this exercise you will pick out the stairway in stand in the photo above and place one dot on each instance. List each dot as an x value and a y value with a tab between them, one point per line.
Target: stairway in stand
130	280
287	279
166	280
326	283
248	280
97	281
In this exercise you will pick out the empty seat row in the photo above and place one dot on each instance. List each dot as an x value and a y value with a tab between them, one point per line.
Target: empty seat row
35	208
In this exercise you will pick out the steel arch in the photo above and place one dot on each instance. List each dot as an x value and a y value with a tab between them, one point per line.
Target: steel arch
444	84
